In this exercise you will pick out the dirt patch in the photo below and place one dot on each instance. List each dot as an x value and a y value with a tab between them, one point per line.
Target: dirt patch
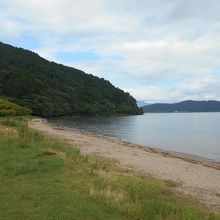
49	153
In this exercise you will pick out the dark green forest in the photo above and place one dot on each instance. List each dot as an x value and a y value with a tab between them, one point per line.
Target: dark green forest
50	89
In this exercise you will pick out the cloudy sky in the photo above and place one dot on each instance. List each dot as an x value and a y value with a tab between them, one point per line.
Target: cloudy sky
159	51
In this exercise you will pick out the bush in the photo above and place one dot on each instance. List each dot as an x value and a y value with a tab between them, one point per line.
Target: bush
10	109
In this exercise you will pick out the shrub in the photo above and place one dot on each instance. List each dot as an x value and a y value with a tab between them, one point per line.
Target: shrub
10	109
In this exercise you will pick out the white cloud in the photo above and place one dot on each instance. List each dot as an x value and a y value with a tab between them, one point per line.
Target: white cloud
69	16
166	50
205	88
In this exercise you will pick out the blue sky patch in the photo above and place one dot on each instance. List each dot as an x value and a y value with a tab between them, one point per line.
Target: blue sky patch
77	56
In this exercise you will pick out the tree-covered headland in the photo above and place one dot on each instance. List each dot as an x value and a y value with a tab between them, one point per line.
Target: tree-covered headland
50	89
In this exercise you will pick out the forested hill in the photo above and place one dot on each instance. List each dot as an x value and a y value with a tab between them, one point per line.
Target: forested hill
185	106
51	89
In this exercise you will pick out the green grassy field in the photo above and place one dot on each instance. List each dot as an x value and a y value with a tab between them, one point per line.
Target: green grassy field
42	178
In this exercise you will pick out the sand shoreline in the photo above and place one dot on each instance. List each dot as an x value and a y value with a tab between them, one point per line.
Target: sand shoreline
166	153
194	176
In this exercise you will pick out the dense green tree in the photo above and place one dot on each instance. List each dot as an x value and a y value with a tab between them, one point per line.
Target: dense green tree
51	89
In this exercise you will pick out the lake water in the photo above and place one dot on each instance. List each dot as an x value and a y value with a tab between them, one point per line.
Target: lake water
191	133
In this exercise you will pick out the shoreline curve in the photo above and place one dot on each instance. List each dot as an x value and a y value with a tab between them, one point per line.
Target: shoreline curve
194	176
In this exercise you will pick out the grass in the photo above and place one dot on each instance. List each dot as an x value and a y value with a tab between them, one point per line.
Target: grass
43	178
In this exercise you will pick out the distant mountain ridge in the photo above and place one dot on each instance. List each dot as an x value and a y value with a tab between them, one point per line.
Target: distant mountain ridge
50	89
185	106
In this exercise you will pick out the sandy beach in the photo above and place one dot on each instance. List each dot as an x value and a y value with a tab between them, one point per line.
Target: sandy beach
193	176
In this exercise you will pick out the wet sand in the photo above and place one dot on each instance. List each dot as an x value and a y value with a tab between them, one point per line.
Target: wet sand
194	176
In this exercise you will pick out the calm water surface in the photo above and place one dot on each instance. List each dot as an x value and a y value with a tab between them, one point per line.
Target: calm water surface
192	133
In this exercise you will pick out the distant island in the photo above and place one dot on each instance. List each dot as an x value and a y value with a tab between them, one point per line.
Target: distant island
185	106
49	89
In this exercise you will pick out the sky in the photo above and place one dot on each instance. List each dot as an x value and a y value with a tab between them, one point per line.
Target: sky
157	50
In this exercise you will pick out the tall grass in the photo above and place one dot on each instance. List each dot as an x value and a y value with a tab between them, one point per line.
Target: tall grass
43	178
